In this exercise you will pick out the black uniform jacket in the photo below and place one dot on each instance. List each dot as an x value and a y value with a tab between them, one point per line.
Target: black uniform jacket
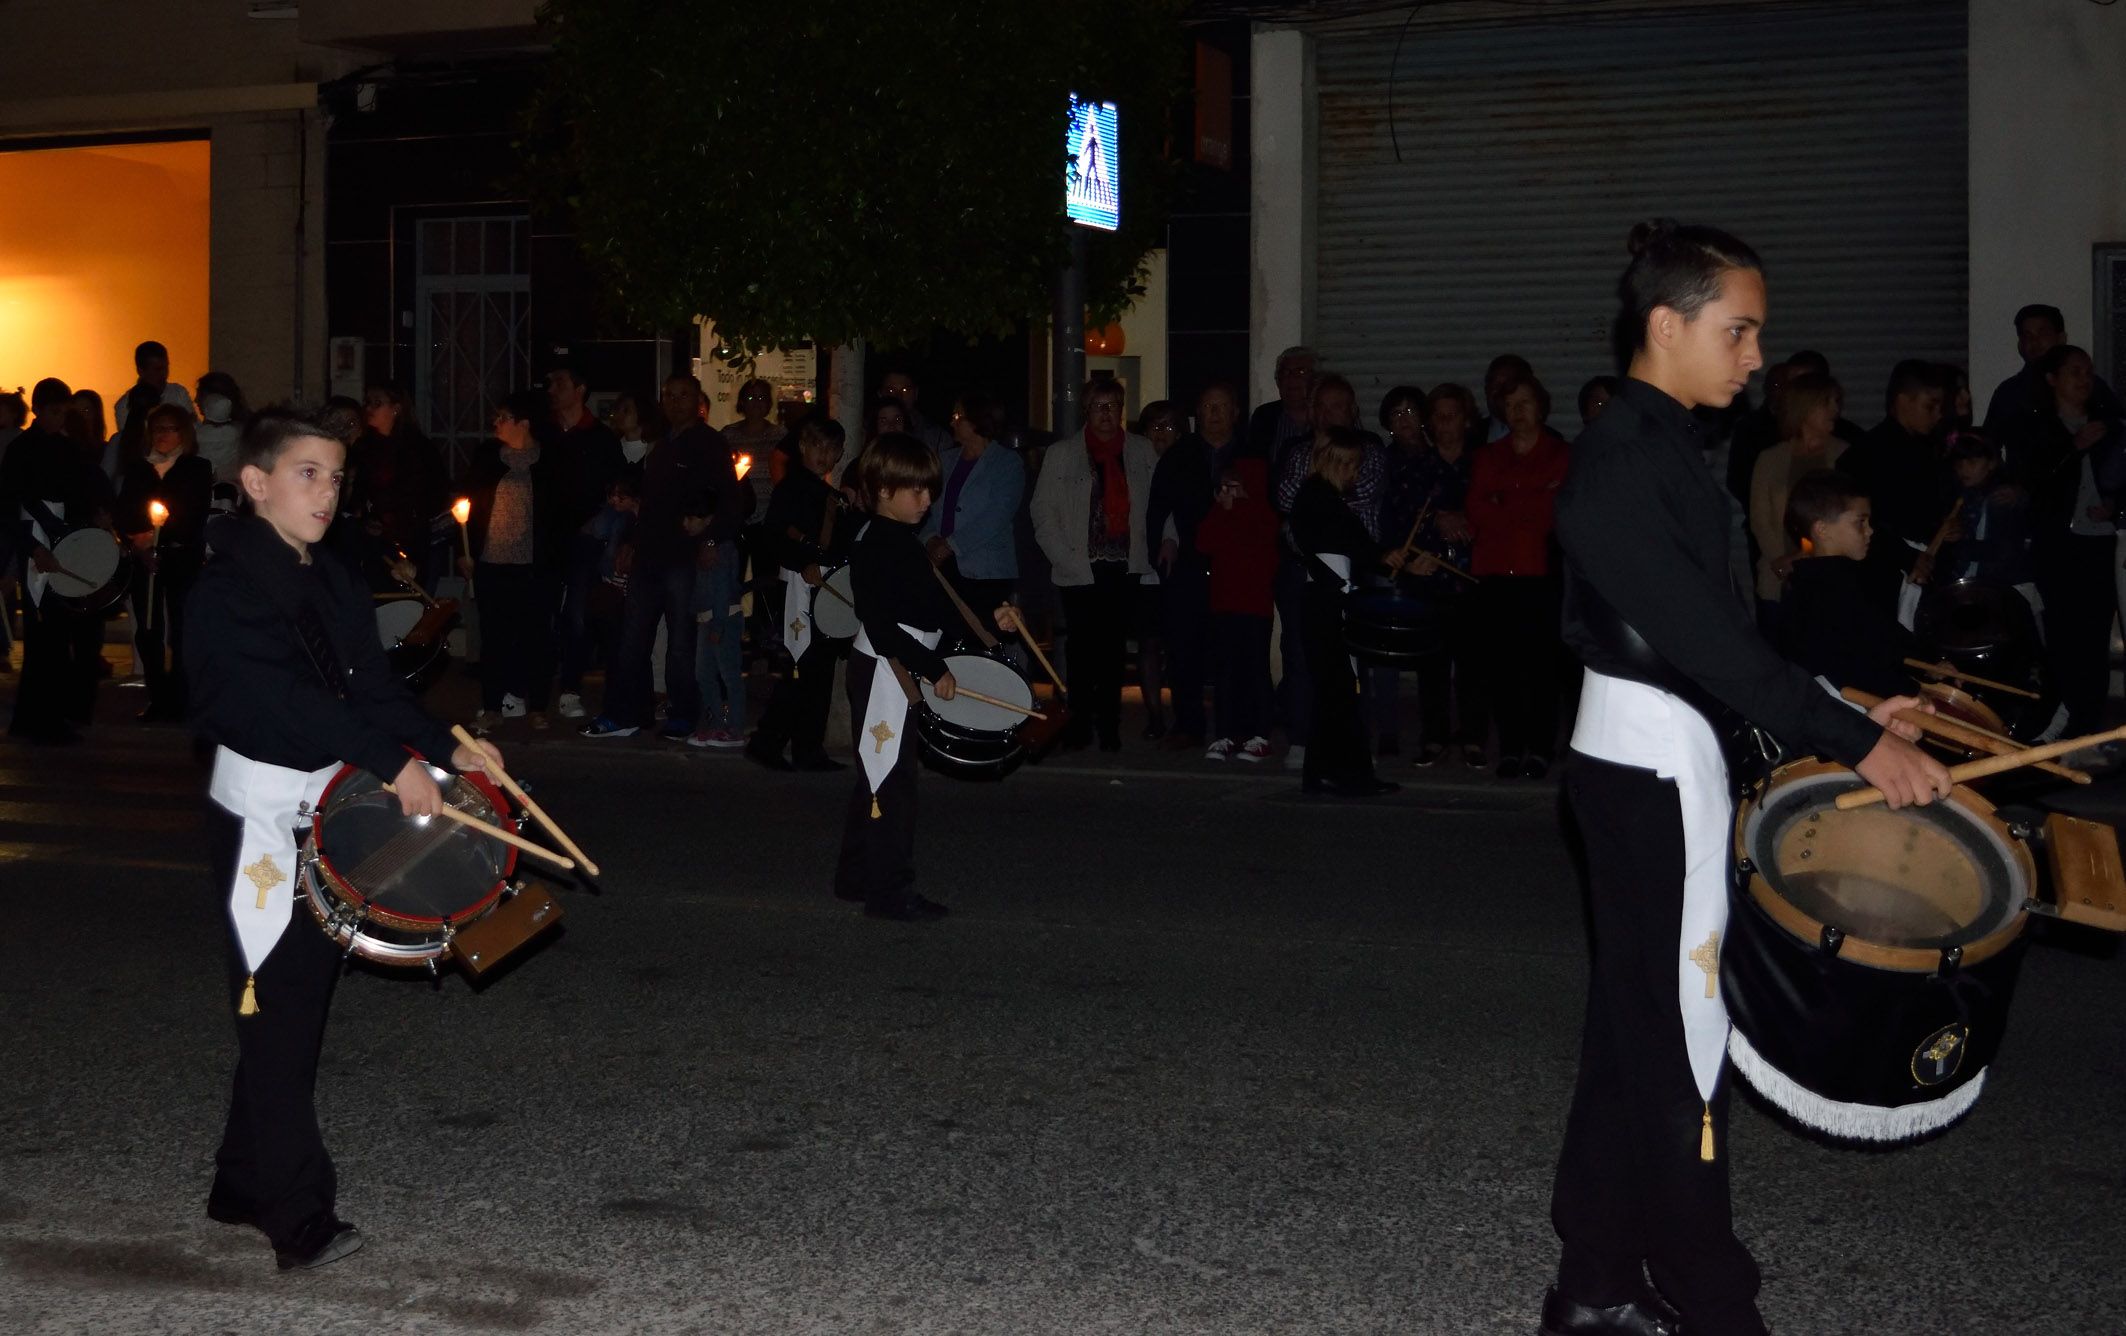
259	689
896	585
1644	527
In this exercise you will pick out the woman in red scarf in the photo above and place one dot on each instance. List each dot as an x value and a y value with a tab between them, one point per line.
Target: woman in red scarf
1088	516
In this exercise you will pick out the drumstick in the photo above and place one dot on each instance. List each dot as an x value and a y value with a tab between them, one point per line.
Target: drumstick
1018	619
524	800
837	595
1993	765
471	822
1941	534
1944	670
1000	704
1419	522
1441	563
1970	735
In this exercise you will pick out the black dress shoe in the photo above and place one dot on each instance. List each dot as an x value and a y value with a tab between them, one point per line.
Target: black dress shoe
1110	742
1510	768
820	764
1535	767
1563	1317
226	1208
914	909
327	1238
769	757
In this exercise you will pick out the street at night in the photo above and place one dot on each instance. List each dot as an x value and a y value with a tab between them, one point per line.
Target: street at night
1192	1054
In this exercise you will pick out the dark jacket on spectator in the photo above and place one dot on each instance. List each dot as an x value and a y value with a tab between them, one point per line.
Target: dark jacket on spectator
1181	491
688	474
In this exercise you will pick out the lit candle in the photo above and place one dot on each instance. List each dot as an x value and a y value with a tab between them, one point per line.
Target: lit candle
461	510
744	465
158	515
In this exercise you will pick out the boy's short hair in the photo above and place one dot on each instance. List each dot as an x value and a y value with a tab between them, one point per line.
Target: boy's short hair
822	430
894	462
50	395
1819	498
274	430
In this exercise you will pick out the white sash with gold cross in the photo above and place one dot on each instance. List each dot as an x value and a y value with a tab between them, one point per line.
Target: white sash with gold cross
797	606
270	800
885	713
1631	723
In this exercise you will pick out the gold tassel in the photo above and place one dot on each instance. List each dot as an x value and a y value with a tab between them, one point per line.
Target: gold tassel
249	1006
1705	1136
874	807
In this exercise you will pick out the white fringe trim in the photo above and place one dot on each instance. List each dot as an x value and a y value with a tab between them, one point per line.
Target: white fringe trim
1851	1122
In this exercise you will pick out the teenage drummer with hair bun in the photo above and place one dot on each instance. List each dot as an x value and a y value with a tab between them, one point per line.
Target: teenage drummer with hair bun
807	532
290	682
904	608
1670	644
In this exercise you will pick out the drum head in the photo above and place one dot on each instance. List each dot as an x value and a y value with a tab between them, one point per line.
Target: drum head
835	618
991	677
1921	878
90	554
412	870
1964	618
395	620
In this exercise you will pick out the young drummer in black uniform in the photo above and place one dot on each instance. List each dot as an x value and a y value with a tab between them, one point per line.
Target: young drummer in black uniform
806	530
289	680
1642	1184
1336	549
48	489
906	613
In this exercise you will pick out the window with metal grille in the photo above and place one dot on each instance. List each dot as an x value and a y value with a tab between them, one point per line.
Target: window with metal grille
472	295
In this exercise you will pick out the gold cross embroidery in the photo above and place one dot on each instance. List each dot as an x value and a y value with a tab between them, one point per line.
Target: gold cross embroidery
881	733
265	876
797	627
1707	958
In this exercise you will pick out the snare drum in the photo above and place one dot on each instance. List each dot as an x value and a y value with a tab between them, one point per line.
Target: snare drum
401	890
969	738
1391	629
834	606
415	636
94	572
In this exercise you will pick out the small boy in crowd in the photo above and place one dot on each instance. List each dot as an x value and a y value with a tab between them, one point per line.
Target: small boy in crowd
1832	623
805	529
1992	532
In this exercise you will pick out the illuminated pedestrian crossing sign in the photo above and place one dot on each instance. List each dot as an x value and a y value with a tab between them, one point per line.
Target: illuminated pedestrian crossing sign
1093	183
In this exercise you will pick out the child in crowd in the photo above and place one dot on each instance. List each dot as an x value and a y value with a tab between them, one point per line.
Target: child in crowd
805	530
612	527
1992	533
1831	623
904	608
1238	537
1333	545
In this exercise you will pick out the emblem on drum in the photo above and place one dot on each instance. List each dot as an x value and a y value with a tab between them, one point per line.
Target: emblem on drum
265	875
881	734
1940	1056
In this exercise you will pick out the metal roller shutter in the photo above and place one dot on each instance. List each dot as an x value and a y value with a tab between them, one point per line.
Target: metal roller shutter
1831	139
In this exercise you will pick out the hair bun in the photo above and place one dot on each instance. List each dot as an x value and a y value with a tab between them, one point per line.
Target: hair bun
1644	235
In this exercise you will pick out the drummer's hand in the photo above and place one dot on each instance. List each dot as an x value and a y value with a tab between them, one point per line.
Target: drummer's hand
944	688
1007	618
1905	774
42	561
486	758
1885	712
1422	563
813	577
418	794
404	573
1396	560
1922	569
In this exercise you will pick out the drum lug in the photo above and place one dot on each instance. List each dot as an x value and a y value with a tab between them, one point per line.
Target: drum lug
1952	959
1831	939
435	976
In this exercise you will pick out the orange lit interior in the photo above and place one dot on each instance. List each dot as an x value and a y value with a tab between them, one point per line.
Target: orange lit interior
101	248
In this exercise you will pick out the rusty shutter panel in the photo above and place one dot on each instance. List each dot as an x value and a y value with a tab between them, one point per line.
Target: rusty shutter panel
1830	138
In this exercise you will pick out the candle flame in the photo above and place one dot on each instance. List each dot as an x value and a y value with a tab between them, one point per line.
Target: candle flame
461	509
157	513
744	465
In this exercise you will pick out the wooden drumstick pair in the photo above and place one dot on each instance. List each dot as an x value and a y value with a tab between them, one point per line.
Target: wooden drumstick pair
1993	765
510	838
1018	623
1943	670
524	800
1969	735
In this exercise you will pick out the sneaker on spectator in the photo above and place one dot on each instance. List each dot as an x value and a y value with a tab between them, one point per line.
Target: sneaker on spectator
1219	750
717	739
602	727
571	706
1431	754
675	730
1256	750
1295	758
513	707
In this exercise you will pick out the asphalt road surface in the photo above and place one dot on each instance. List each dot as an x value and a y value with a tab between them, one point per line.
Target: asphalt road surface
1193	1055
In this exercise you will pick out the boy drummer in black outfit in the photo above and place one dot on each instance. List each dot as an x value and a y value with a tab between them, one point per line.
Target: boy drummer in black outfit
807	531
289	682
905	611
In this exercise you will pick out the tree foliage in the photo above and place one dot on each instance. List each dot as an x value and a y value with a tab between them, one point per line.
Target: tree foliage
848	169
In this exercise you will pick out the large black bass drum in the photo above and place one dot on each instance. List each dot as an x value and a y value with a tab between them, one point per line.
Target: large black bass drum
1990	631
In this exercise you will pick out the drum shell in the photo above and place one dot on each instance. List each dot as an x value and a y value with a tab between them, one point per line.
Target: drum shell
105	596
968	753
1852	1032
1391	629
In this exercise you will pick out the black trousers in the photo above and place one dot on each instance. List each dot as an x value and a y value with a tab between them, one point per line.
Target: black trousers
1098	618
577	631
877	864
518	606
159	633
797	713
1185	622
1336	749
1630	1186
1295	691
2080	602
655	594
60	649
272	1156
1242	653
1517	625
1452	678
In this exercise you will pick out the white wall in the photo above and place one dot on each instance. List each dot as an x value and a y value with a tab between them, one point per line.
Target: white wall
2048	165
1282	186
